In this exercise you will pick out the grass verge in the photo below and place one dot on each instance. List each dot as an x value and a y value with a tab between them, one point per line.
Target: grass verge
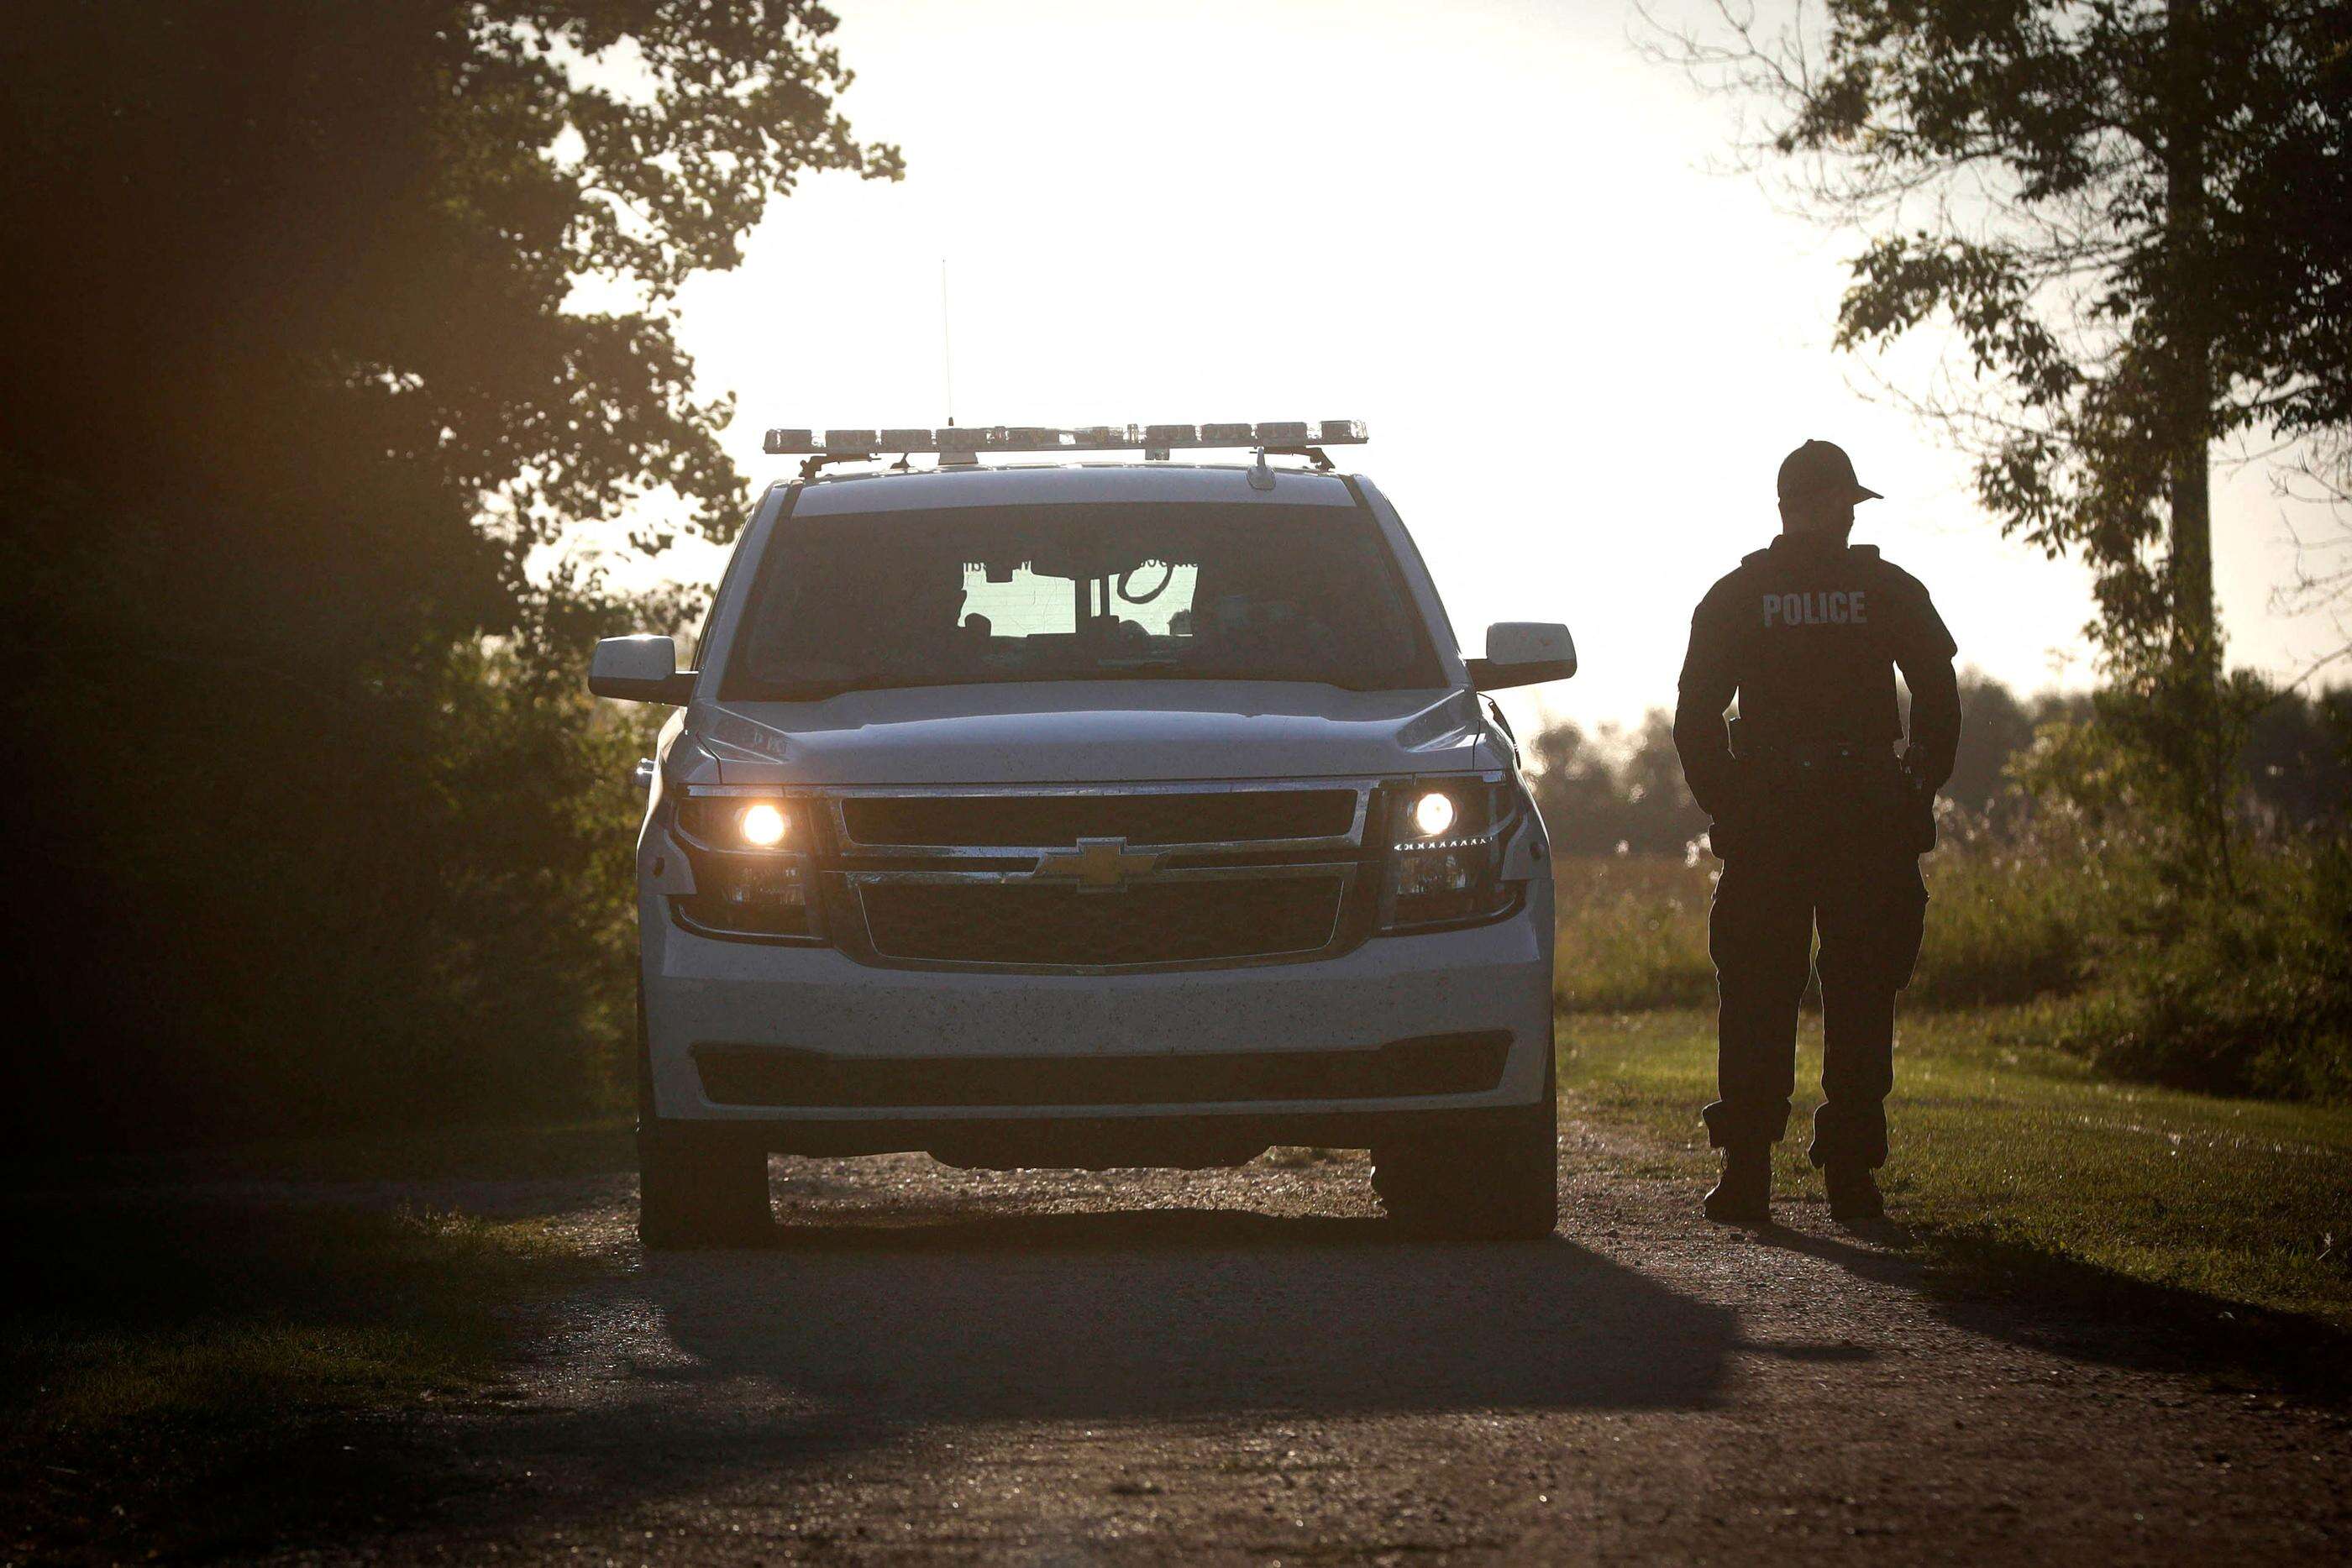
2005	1143
181	1378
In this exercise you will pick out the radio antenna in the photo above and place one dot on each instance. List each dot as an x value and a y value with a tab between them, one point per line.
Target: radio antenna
947	344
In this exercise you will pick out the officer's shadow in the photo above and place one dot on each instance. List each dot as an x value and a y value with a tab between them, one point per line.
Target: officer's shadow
1882	1251
2080	1312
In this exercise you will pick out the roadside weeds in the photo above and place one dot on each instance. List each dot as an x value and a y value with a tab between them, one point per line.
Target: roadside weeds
187	1378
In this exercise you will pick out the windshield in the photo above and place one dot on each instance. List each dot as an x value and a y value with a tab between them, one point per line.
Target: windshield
1141	590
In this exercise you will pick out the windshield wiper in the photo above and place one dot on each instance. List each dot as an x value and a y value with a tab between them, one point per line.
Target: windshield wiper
1105	670
818	691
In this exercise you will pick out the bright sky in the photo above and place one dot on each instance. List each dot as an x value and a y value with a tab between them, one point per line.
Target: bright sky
1487	230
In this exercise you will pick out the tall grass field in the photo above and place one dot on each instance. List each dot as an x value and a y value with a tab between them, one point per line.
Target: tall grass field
2001	928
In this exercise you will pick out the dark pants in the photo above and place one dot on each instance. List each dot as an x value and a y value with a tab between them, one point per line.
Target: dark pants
1804	851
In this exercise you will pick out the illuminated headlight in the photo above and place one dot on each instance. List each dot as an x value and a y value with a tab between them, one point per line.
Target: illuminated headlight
1433	813
761	825
1444	854
751	872
733	823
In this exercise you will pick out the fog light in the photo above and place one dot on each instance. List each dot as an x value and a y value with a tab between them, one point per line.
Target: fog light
763	826
1432	814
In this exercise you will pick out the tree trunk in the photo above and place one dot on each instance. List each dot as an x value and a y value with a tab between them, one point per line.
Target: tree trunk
2197	643
2190	476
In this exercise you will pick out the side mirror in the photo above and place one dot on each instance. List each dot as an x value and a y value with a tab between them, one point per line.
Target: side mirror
1522	652
640	670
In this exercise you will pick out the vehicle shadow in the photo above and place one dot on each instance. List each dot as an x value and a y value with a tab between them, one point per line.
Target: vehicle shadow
732	1373
1180	1312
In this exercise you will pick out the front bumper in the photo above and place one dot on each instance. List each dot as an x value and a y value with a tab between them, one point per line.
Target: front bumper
1286	1052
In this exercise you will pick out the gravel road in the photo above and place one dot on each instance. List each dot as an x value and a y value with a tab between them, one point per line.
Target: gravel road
1245	1366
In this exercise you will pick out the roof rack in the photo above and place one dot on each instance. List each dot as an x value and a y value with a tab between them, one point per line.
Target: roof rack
964	443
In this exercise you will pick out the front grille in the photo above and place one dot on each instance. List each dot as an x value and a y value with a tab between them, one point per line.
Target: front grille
1162	923
1235	816
781	1075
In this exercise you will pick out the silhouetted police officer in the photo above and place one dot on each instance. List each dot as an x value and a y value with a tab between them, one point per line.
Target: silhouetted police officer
1818	823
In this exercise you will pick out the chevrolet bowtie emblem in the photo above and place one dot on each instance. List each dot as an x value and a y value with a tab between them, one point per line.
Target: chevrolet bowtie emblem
1096	865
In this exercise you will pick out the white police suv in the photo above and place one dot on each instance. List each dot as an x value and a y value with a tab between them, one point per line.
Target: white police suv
1089	814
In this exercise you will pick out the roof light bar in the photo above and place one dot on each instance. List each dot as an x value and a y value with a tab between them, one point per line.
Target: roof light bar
976	438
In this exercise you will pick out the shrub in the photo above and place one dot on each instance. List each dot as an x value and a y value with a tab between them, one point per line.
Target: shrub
1632	932
429	920
2015	915
2243	996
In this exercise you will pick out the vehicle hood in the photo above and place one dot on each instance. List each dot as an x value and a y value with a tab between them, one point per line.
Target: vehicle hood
1088	732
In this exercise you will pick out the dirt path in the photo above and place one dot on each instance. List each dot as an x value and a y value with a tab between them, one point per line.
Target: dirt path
1244	1366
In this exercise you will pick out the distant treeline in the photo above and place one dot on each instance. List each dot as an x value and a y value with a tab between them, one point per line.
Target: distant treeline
1613	791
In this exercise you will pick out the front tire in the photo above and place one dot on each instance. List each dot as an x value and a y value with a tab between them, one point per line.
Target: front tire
694	1189
1493	1179
697	1186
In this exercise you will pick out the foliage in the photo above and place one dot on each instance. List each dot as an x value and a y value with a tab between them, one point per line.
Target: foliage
1998	725
2246	989
2008	923
311	379
2143	765
2013	919
2243	996
183	1378
2298	762
1631	932
283	214
531	934
420	909
1613	794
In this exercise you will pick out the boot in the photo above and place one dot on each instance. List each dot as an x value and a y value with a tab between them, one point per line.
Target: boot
1744	1195
1854	1193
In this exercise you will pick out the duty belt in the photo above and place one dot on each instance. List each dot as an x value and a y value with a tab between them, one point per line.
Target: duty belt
1824	754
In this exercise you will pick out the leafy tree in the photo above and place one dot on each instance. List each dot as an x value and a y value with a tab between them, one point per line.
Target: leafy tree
294	388
1613	793
1575	791
2299	761
1996	725
2134	216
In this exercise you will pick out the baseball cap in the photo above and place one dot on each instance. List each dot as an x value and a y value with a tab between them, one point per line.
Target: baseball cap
1821	469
